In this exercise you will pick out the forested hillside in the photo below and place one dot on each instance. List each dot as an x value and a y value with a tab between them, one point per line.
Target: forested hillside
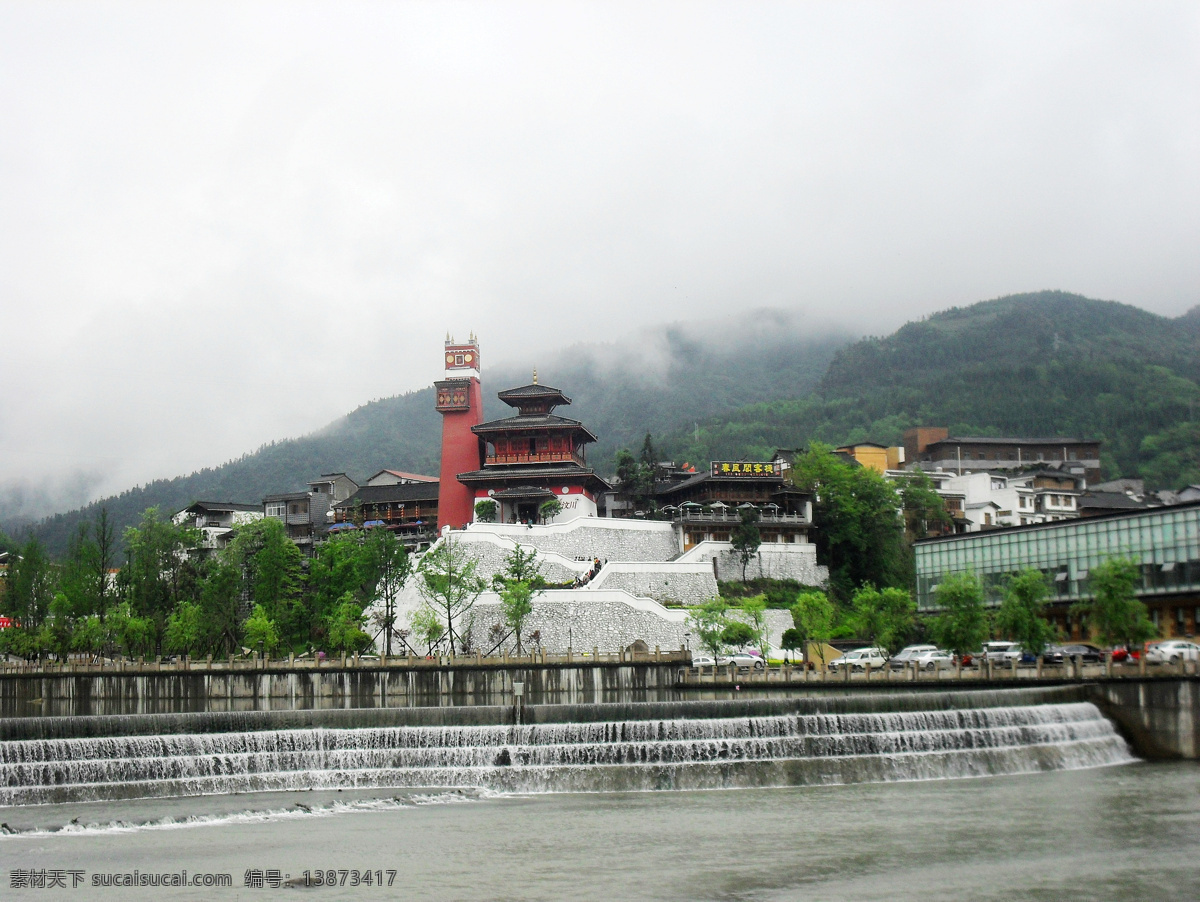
1035	364
656	381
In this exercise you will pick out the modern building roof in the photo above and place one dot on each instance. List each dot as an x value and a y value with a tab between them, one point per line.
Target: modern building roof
1068	524
1008	440
402	493
230	506
288	496
400	474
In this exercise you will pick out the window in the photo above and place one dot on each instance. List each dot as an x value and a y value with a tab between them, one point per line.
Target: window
276	509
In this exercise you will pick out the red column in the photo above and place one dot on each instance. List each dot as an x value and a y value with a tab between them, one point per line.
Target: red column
460	454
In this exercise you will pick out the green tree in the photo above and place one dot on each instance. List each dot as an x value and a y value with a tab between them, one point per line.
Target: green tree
520	566
90	636
813	613
134	634
449	583
388	562
485	511
746	537
883	616
30	589
708	622
272	569
427	627
345	629
155	576
220	604
185	632
737	634
549	509
1022	613
260	631
791	641
1116	615
962	625
859	533
516	600
755	610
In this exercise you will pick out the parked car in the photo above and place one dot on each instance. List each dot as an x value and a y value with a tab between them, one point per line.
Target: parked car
935	659
751	660
704	661
906	655
1001	653
1172	651
859	659
1079	652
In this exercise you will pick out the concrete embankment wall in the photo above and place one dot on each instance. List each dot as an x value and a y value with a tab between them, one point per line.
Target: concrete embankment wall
1160	718
26	728
201	690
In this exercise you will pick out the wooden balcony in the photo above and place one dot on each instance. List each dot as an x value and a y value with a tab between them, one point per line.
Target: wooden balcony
542	457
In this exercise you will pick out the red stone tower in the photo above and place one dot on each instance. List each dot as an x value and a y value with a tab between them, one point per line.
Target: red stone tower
460	402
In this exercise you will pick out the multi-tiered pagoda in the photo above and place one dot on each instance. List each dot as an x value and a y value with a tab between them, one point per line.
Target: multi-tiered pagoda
534	457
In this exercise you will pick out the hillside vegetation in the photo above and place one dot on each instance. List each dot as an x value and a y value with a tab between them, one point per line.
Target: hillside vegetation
1048	363
1039	364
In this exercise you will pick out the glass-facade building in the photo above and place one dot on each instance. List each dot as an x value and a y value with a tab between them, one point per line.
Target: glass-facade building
1165	541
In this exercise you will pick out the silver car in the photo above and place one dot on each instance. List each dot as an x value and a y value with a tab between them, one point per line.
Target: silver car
936	659
907	655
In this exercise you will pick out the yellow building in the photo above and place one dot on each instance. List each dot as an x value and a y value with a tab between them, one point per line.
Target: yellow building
879	458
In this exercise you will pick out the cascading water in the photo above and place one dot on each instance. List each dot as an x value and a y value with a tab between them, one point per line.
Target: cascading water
616	755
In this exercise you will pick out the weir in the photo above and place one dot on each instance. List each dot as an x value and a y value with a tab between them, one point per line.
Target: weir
599	747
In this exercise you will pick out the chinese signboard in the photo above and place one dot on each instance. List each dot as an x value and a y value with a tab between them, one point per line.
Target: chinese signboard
742	468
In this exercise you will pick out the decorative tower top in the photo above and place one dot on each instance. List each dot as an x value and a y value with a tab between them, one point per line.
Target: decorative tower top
462	358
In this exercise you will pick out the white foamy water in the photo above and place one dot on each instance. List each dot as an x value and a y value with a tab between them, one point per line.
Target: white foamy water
675	754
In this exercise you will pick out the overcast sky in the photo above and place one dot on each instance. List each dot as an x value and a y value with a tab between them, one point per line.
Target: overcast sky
226	223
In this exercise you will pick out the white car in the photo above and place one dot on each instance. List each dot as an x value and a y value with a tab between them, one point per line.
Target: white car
907	655
744	659
1172	651
937	659
1002	653
703	661
860	659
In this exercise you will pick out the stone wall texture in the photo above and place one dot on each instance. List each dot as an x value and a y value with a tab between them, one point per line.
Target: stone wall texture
591	537
606	620
666	583
774	560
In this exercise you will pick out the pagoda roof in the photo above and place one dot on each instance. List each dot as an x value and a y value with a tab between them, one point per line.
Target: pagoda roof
515	396
524	474
540	421
519	492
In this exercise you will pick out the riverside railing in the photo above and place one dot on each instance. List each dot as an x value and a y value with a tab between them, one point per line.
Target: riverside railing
209	663
987	672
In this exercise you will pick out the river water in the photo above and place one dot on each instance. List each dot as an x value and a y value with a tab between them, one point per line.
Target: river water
1130	831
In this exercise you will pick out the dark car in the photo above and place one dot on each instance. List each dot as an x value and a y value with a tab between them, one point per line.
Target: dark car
1078	652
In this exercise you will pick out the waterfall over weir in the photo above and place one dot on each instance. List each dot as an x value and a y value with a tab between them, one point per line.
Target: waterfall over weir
697	745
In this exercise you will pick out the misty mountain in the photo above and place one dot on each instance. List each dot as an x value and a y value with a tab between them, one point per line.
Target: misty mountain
656	380
1040	364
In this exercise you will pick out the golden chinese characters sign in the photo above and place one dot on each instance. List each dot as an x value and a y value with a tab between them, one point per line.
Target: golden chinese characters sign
742	468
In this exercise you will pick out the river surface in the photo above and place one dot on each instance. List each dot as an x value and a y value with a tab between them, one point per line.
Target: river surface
1120	832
